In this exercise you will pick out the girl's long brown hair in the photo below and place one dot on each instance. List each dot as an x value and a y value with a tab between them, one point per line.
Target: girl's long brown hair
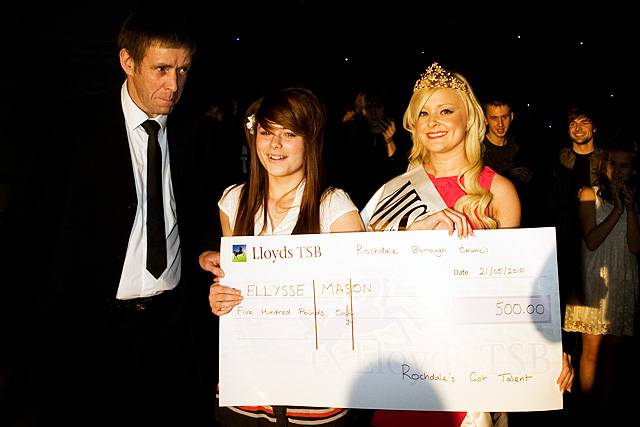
299	110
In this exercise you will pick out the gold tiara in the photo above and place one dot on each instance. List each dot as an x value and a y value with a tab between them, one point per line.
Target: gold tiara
436	76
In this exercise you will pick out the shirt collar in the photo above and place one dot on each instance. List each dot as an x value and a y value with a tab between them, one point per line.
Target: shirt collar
133	115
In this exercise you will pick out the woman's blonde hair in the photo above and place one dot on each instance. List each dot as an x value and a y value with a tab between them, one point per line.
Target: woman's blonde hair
477	199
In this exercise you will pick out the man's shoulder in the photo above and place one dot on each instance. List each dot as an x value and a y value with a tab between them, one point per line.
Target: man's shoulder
566	153
598	153
89	107
103	92
80	117
491	146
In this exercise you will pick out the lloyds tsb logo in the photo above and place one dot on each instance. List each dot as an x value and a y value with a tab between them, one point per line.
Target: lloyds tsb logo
239	253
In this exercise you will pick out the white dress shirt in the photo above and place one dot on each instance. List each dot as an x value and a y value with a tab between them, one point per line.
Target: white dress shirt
135	280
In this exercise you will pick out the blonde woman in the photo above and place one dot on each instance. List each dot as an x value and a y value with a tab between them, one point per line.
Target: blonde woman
447	127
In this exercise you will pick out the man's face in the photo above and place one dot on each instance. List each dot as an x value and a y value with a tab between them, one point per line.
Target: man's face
156	83
498	118
581	130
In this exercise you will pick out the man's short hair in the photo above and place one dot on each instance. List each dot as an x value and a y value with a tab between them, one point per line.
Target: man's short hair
495	102
144	28
581	111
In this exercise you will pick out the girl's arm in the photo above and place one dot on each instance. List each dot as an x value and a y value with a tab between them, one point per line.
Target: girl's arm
633	232
594	234
505	206
633	227
350	221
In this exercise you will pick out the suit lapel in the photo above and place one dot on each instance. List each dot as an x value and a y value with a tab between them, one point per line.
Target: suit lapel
176	142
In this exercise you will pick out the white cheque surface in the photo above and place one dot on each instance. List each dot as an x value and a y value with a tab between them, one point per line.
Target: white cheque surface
395	320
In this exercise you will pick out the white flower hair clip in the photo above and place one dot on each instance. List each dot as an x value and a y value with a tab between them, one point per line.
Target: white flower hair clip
251	123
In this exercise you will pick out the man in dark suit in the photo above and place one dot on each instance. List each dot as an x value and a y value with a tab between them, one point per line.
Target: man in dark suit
118	344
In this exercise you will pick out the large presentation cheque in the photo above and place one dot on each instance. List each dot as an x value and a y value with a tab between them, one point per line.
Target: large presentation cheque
396	320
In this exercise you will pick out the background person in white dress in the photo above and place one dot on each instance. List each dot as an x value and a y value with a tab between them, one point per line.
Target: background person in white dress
605	311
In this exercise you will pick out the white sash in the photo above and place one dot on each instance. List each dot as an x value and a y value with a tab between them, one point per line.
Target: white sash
402	201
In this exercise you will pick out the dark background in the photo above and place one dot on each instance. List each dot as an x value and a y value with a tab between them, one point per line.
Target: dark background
541	57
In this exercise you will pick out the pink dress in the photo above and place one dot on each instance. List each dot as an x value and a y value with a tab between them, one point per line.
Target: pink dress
450	192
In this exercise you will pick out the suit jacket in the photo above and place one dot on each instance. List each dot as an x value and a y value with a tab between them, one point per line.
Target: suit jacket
90	197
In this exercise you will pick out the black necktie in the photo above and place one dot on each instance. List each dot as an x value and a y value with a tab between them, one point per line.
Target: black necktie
156	239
